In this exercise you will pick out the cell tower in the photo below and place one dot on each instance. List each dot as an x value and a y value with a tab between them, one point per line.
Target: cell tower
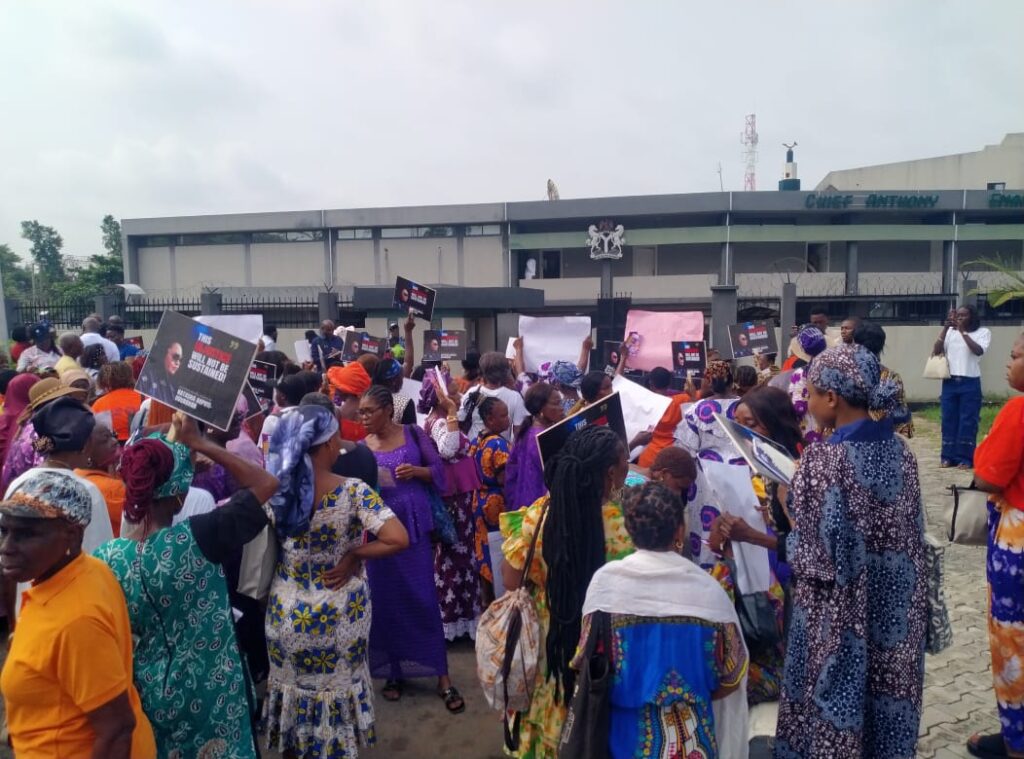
749	140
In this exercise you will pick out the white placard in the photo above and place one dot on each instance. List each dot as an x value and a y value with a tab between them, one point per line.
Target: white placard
641	408
303	351
249	327
411	388
552	338
510	349
734	494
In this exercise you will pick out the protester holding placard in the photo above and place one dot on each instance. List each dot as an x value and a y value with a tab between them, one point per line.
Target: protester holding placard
524	476
407	636
663	434
497	377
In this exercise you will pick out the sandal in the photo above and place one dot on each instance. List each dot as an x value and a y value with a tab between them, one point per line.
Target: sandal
451	695
964	467
392	690
946	464
987	746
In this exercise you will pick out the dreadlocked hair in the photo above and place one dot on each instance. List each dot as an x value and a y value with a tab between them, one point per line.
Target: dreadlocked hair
573	546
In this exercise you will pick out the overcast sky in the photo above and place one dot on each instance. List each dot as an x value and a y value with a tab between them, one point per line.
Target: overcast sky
194	107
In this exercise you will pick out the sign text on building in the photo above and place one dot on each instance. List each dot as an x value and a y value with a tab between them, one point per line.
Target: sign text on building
830	201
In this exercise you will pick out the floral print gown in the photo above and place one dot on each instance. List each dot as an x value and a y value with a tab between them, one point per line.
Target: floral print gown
491	454
319	696
854	666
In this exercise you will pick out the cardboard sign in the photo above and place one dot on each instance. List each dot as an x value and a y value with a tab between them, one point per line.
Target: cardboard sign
689	357
136	340
253	405
197	369
657	331
303	352
444	344
751	337
249	327
611	353
552	338
510	349
641	408
358	343
263	380
412	296
607	412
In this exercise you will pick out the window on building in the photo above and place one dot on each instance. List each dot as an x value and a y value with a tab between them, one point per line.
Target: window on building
440	231
996	186
305	235
387	232
551	264
482	230
157	241
355	234
220	238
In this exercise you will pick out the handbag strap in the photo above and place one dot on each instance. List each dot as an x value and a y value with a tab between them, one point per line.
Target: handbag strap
525	576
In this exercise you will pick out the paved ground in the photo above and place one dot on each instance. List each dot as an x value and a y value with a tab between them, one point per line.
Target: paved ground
958	696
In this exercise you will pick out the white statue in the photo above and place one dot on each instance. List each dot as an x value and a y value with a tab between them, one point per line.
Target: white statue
531	269
605	240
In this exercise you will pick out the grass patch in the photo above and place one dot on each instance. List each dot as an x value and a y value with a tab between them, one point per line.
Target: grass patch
989	408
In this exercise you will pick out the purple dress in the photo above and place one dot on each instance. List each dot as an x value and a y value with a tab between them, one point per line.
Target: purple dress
406	636
524	473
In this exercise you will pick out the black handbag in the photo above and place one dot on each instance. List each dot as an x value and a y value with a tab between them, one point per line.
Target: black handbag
758	620
588	719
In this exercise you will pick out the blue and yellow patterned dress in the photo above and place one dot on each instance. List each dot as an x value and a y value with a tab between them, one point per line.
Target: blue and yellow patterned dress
319	696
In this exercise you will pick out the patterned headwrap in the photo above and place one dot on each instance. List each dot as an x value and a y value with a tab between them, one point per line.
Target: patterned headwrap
563	373
428	390
49	494
808	343
853	372
153	468
716	369
388	369
289	461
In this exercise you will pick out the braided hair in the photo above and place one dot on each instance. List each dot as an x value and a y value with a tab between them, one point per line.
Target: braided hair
380	395
652	515
573	546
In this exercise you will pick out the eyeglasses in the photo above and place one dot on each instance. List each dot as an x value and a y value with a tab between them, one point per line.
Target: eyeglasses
369	411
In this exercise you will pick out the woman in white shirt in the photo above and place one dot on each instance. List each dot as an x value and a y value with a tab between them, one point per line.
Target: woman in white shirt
964	341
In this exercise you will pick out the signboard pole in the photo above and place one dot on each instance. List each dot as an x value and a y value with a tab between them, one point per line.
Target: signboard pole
723	313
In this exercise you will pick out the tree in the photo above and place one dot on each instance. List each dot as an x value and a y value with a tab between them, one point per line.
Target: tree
16	275
111	229
46	251
104	269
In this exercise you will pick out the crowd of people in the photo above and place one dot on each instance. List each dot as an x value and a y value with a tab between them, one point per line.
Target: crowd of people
179	591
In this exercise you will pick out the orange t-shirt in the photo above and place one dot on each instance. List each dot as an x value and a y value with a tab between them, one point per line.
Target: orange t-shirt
113	491
122	405
71	654
788	363
999	459
664	430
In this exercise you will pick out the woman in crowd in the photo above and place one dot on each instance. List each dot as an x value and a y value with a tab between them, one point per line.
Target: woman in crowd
593	387
470	373
677	648
67	680
810	343
699	433
319	609
458	584
872	337
999	469
663	434
101	470
855	653
16	400
388	374
490	452
43	354
287	395
582	528
566	378
745	379
524	475
347	385
497	379
117	383
675	469
963	341
188	669
406	637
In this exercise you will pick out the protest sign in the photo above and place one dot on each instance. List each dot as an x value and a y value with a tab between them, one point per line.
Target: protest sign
510	349
412	296
197	369
606	412
611	353
750	337
263	380
552	338
253	405
358	343
303	352
734	492
641	408
136	340
766	457
444	344
249	327
657	331
689	358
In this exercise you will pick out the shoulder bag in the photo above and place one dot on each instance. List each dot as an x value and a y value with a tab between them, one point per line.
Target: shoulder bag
936	367
939	634
508	647
587	722
444	525
758	619
967	516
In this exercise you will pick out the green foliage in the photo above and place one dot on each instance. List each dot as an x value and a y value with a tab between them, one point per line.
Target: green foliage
1012	290
111	229
46	251
16	274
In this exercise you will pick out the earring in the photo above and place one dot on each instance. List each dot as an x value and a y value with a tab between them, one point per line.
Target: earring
67	552
679	545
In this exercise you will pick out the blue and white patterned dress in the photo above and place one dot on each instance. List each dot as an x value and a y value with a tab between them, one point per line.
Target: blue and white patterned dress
854	665
319	696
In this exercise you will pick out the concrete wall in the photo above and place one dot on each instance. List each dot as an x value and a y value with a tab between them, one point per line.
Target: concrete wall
907	256
417	259
483	262
155	270
355	264
697	258
212	265
289	263
971	171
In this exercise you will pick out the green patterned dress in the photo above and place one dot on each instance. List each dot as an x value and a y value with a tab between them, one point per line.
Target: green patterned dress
319	695
188	671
